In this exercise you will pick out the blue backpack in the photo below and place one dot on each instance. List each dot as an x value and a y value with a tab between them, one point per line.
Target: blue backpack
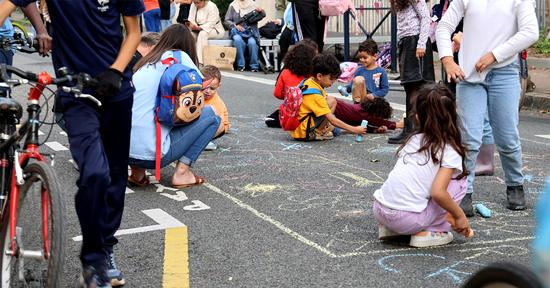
179	98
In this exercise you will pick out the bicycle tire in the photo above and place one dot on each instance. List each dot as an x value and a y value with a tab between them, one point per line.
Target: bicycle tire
19	28
35	172
504	273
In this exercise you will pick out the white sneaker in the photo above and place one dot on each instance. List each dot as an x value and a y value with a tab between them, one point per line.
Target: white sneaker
211	146
386	234
431	239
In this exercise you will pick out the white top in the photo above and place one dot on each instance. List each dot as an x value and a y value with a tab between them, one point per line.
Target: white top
207	17
504	27
409	184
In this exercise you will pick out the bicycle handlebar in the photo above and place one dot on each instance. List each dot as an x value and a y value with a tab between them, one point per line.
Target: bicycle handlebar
82	80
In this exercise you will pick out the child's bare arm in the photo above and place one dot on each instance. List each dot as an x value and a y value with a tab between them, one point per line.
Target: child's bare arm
341	124
129	46
442	198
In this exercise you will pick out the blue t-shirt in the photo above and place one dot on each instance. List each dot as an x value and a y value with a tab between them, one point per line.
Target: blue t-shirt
87	35
376	80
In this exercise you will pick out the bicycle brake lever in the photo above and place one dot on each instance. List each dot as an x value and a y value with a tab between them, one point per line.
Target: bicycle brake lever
89	97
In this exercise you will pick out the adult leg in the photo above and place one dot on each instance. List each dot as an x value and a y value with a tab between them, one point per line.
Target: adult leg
503	92
148	19
188	142
156	20
238	43
485	159
284	42
115	133
411	90
253	49
471	99
308	14
83	128
202	41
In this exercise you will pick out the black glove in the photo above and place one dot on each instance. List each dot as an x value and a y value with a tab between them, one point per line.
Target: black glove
110	81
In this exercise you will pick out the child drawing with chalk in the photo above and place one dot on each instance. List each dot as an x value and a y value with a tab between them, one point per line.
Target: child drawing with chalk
421	195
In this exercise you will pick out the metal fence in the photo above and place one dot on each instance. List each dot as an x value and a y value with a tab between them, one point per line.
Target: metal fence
368	18
371	18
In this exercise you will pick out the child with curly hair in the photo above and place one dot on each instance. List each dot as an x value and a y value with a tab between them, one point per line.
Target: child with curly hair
376	111
298	63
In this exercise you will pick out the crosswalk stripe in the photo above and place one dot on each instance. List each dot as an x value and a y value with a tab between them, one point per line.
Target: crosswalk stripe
56	146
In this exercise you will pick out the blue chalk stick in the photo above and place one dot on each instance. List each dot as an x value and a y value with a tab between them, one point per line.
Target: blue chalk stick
482	210
359	137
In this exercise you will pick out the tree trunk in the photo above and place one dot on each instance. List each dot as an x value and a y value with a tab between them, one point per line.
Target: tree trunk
548	19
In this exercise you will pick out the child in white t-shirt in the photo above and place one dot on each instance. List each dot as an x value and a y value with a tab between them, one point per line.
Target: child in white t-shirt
420	196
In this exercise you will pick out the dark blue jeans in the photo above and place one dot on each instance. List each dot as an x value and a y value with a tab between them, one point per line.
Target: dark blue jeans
152	20
186	142
100	144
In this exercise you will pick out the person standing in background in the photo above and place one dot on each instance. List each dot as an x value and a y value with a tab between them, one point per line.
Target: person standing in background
309	22
167	12
151	17
204	23
488	75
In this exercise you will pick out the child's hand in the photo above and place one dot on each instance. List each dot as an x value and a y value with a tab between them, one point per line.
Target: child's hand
420	52
382	129
462	226
454	72
359	130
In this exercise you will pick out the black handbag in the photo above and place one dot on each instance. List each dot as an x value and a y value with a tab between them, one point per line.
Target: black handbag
252	17
270	30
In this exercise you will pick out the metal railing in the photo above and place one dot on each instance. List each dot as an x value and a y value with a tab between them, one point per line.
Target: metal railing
387	14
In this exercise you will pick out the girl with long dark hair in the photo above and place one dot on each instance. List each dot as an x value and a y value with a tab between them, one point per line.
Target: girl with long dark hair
426	184
183	144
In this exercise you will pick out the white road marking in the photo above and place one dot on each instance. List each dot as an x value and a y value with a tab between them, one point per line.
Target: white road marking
395	106
163	219
129	191
56	146
63	133
270	220
331	254
543	136
40	133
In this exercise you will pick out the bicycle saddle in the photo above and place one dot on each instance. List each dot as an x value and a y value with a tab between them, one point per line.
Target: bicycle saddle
9	106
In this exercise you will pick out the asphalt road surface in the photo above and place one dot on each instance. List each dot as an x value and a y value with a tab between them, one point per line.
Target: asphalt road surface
280	213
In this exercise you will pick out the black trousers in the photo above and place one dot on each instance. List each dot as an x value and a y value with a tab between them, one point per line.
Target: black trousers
100	144
312	24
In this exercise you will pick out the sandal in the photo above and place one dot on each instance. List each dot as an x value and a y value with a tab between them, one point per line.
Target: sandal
198	181
138	183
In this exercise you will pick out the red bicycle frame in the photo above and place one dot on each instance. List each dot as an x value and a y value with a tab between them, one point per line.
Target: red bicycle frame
31	151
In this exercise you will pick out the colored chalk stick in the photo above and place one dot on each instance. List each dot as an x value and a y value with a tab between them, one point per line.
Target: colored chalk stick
482	210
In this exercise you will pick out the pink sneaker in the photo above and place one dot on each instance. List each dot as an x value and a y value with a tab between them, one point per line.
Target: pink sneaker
429	238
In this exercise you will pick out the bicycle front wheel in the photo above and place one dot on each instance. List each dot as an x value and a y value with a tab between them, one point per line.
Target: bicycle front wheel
39	232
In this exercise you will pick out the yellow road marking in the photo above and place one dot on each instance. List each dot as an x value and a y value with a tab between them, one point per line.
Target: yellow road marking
176	258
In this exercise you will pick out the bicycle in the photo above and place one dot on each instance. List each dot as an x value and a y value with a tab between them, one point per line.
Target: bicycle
32	253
